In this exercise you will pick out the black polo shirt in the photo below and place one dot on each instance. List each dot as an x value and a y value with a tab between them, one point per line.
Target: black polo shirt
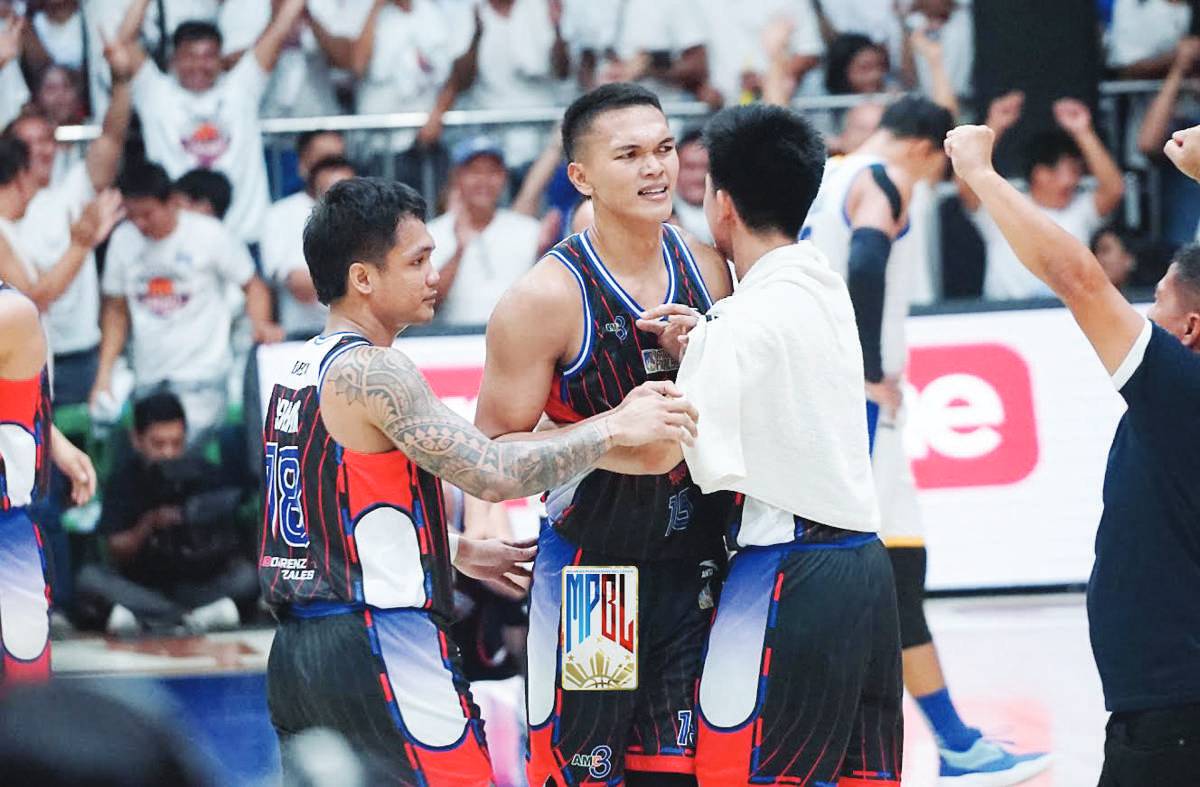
1144	593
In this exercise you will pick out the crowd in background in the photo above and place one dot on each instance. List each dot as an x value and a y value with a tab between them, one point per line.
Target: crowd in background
158	257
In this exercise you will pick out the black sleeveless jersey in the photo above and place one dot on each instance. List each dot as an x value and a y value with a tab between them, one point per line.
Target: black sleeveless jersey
340	526
641	518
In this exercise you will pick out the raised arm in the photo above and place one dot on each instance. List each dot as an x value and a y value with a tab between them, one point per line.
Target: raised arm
338	49
1003	113
364	45
104	153
1156	125
131	24
390	391
1047	250
270	43
1076	119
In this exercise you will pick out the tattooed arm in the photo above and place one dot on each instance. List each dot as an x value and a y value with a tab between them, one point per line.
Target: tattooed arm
383	386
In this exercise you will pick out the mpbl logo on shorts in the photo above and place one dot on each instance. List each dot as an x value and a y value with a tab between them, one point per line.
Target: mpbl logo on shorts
599	628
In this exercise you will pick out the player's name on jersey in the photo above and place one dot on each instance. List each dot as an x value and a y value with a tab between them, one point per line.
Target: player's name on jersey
599	628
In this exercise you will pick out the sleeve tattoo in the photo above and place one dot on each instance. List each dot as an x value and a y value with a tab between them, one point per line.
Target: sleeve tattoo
398	401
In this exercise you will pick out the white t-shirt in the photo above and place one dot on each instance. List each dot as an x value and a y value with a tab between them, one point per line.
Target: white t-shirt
303	82
515	70
1142	29
175	288
14	93
1005	277
73	321
498	256
957	37
673	26
410	61
63	42
217	129
735	40
103	18
282	253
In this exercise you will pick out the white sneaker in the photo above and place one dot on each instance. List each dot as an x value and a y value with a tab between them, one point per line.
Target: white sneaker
220	614
988	764
122	622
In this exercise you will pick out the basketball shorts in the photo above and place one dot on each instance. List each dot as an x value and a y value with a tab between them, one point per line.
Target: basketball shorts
593	737
24	600
895	488
389	682
802	681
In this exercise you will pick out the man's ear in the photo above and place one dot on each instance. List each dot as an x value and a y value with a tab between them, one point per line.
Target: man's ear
1191	332
358	278
579	179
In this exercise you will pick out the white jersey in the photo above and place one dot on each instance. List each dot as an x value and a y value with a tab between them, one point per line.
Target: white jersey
828	227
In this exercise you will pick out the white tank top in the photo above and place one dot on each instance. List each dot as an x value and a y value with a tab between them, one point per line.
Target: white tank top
828	227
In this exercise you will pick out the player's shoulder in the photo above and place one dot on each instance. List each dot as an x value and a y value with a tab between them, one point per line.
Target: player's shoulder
549	295
712	263
16	309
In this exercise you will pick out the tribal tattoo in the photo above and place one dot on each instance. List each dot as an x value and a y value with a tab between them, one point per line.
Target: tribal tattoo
399	401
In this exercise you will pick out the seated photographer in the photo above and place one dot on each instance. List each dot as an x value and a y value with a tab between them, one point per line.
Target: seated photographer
175	555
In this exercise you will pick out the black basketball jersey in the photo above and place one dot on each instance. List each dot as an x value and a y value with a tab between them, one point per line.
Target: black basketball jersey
633	517
342	526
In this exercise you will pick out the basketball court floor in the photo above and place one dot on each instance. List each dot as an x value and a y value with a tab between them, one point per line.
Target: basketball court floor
1019	667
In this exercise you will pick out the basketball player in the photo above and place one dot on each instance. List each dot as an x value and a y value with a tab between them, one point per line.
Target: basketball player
801	682
860	222
28	442
563	341
355	555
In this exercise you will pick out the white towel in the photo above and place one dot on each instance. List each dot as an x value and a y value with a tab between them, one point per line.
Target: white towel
776	373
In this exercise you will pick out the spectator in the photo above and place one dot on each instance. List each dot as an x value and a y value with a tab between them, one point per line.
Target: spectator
1112	250
689	186
517	59
948	25
106	21
1144	34
170	534
876	20
55	36
66	284
1174	108
664	45
481	248
59	95
736	58
316	55
1056	163
164	290
13	90
411	70
203	191
284	264
197	118
856	64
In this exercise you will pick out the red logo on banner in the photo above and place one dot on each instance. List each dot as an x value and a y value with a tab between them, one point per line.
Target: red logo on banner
973	416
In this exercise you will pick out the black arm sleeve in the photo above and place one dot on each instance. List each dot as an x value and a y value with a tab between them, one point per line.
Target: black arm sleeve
866	278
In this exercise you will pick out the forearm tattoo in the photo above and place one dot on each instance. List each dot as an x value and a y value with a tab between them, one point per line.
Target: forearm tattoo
398	401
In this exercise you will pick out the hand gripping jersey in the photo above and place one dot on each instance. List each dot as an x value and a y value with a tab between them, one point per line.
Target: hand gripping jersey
828	227
632	517
339	526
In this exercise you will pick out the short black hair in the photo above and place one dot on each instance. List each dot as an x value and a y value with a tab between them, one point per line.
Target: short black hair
207	185
1187	269
770	161
196	30
306	138
916	117
157	408
837	60
354	221
584	110
331	162
144	179
14	159
1047	148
